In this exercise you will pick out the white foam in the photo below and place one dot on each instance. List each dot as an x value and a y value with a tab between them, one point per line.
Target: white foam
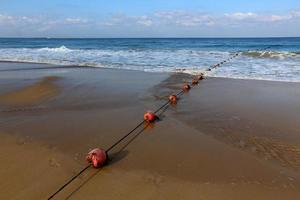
252	65
272	54
61	49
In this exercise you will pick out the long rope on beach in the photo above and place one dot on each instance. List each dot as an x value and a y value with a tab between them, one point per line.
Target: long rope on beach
140	124
133	130
109	149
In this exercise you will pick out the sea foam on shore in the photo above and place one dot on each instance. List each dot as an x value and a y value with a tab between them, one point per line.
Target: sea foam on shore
279	63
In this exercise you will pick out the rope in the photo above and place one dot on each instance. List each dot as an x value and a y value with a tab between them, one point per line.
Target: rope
130	132
125	136
67	183
113	145
108	150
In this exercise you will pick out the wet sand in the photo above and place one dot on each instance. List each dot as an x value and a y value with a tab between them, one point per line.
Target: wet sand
29	169
32	95
225	139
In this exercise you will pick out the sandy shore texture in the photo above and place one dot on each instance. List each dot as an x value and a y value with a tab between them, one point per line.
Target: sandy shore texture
225	139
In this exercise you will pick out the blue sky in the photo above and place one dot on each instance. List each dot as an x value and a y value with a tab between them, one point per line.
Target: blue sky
149	18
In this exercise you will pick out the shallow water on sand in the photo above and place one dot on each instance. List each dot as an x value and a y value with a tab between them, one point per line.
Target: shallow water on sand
201	147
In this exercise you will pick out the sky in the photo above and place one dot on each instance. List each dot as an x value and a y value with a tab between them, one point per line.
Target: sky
149	18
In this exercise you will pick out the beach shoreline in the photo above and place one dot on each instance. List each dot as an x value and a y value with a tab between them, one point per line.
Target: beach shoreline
226	138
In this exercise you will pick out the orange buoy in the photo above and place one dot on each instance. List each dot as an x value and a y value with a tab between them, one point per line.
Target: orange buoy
173	98
186	87
195	82
97	157
150	117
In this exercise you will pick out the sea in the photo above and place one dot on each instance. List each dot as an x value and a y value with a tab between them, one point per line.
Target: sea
280	62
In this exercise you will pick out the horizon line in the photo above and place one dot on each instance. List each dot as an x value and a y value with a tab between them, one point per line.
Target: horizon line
250	37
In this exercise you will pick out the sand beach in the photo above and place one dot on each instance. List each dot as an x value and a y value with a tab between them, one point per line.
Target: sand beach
225	139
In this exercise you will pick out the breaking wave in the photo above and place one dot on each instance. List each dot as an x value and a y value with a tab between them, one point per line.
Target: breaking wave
62	49
263	65
272	54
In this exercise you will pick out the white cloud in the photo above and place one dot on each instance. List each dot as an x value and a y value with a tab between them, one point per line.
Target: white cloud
6	18
75	21
295	14
194	19
241	16
277	18
183	18
144	20
125	20
258	17
15	20
167	21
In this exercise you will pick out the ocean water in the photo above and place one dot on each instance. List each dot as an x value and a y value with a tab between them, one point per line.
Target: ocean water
281	62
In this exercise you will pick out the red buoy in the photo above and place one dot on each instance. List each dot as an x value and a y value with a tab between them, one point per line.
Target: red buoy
195	82
150	117
186	87
173	98
97	157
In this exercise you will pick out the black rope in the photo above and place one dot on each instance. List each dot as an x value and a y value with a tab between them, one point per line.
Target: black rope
125	136
119	151
141	123
67	183
180	93
167	103
121	139
109	149
130	132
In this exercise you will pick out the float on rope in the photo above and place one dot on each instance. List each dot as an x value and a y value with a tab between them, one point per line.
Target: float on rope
97	157
186	87
195	81
173	99
150	117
